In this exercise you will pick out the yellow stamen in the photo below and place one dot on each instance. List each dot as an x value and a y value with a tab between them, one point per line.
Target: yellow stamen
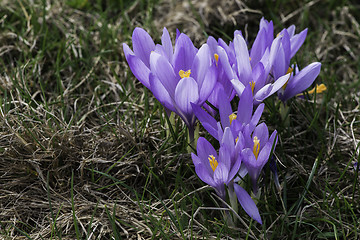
237	139
216	56
290	70
184	74
213	162
318	89
256	148
232	117
252	84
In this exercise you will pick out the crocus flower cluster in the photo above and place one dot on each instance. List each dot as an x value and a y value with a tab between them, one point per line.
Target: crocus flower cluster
245	147
191	82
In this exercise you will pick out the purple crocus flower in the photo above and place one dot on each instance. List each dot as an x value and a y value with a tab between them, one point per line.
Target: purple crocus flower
236	121
139	59
243	74
257	151
288	44
177	77
216	169
300	81
219	170
222	79
263	41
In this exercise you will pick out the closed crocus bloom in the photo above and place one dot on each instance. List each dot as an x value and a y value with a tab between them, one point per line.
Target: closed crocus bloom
257	151
300	81
222	79
262	41
296	40
139	59
176	76
188	78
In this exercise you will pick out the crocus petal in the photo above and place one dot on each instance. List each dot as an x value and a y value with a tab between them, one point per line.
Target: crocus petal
235	168
279	63
166	43
228	141
263	93
205	175
208	122
251	163
160	92
224	109
238	86
221	174
242	172
247	203
262	133
225	157
272	54
272	139
223	58
204	149
259	76
137	66
220	131
245	106
208	84
279	83
196	159
212	43
269	26
242	59
302	80
291	30
297	41
184	53
142	45
285	44
229	51
264	155
186	92
258	47
256	117
238	32
127	50
163	70
201	64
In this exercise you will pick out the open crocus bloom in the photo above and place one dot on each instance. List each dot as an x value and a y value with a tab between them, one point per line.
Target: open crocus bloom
243	74
177	77
257	151
236	121
219	170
